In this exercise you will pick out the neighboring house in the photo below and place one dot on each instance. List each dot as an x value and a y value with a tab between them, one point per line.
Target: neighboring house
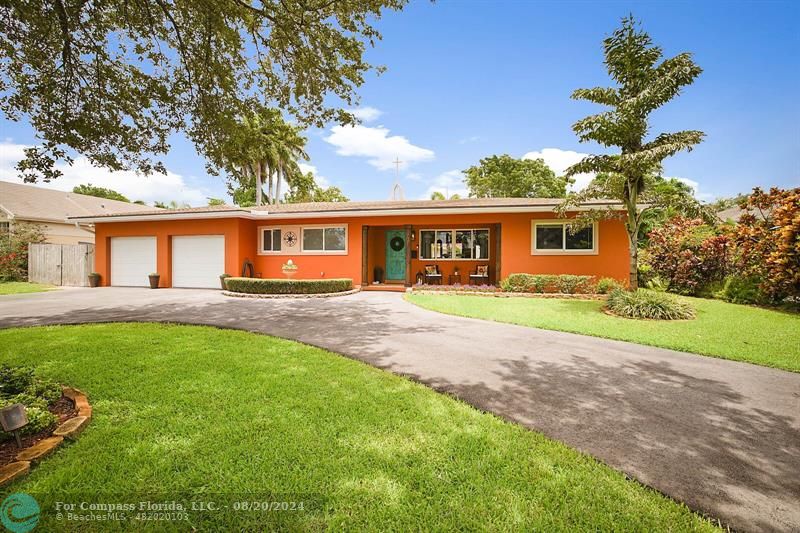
51	209
731	214
192	247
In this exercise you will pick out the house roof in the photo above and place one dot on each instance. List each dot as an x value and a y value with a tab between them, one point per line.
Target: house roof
341	209
732	213
26	202
328	207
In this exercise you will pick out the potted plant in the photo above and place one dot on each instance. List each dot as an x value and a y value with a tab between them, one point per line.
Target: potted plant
154	278
94	279
222	280
289	269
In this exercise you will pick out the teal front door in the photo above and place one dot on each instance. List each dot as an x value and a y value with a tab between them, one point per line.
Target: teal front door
395	255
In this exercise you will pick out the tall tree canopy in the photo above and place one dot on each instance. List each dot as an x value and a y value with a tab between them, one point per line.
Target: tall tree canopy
113	80
262	150
304	188
502	176
100	192
644	83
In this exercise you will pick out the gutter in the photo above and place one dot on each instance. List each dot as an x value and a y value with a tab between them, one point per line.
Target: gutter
343	213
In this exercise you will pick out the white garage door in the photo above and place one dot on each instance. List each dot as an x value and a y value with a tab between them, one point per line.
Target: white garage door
198	261
132	260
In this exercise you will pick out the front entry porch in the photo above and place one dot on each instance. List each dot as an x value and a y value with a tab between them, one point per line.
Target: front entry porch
395	257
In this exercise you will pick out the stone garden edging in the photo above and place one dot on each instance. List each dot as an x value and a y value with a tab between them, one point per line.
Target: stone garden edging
500	294
290	296
69	429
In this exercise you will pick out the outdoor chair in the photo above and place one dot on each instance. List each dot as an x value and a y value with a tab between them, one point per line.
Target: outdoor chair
432	275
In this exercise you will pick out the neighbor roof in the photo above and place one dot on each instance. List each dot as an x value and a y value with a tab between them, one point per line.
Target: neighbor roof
26	202
333	209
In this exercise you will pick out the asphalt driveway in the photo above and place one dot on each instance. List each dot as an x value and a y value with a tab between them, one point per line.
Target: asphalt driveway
722	436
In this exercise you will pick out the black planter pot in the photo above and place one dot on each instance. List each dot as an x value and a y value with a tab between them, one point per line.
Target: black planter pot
94	280
154	280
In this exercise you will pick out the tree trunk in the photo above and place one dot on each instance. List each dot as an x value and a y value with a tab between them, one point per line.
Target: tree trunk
258	183
271	184
633	280
278	185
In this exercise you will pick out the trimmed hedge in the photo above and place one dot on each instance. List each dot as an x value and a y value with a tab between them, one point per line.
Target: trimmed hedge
548	283
649	305
288	286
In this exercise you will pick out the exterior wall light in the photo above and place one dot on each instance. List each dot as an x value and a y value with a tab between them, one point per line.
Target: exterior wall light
13	418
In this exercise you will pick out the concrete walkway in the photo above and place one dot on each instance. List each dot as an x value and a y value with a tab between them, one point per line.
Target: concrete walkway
722	436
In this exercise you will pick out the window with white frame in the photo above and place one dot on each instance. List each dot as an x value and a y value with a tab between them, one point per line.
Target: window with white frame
454	244
270	239
324	239
554	237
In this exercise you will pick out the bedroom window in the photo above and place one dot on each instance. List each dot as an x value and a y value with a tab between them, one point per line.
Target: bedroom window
551	237
271	240
325	239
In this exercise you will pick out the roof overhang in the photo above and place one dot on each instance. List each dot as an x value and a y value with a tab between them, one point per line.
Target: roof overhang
343	213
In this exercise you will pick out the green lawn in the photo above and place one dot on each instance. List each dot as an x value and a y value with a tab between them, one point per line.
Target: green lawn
742	333
186	409
22	287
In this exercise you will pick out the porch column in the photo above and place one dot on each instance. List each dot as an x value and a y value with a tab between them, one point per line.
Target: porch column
497	253
364	256
409	233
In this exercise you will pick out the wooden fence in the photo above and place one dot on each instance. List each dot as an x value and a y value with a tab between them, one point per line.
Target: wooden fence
60	264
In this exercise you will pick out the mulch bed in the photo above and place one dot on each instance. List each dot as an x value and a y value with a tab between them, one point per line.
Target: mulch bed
64	409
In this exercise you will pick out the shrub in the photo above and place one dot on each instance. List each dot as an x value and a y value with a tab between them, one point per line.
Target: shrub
288	286
768	242
21	385
606	285
39	419
688	254
14	250
571	284
15	379
648	304
539	283
657	283
741	290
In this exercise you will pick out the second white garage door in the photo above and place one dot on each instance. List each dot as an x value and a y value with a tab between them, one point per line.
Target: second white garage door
198	261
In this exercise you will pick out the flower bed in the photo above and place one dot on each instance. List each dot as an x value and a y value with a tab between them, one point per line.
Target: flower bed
288	286
457	288
53	412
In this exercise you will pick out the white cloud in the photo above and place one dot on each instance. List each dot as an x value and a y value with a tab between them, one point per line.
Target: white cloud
448	183
148	188
559	160
695	186
305	168
472	139
377	146
366	114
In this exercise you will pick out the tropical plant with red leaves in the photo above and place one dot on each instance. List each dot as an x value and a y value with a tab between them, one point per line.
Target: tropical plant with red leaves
767	240
689	254
14	250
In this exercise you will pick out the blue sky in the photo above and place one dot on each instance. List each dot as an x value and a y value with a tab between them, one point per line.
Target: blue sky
467	79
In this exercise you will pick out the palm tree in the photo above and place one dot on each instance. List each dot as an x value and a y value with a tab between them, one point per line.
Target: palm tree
289	147
264	151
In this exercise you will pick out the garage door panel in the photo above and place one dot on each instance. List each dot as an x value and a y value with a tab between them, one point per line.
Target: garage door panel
132	260
198	261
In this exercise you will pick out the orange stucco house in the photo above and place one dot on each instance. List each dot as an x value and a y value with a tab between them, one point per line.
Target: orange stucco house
392	242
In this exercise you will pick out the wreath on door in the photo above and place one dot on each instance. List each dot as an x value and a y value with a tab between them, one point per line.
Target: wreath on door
397	244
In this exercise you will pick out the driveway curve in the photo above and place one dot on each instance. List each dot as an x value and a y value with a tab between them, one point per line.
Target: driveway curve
721	436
